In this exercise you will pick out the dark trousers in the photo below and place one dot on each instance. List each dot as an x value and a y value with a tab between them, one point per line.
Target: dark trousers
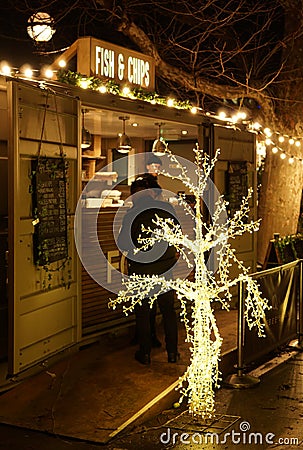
166	306
152	320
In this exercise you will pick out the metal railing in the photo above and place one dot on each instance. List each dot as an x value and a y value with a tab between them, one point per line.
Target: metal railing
240	379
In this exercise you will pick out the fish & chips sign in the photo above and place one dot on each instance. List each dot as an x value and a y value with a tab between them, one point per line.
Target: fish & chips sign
122	65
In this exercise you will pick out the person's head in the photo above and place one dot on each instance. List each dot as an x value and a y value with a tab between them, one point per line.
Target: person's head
153	164
147	183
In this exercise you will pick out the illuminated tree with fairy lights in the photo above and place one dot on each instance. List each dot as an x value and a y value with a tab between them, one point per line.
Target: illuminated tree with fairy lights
202	376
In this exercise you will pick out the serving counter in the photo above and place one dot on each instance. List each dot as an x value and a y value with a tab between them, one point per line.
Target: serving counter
95	311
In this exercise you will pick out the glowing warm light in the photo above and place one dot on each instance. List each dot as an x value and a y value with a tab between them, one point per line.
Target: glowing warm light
202	376
27	72
282	156
135	124
222	115
256	126
281	139
170	102
291	141
184	132
125	90
62	63
242	115
48	73
40	27
123	150
274	150
102	89
267	141
194	110
298	144
5	68
291	160
84	83
261	149
267	132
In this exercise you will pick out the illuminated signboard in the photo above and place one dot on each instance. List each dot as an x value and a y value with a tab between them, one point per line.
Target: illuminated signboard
111	62
122	65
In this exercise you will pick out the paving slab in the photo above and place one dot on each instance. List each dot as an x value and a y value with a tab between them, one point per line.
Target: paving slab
94	393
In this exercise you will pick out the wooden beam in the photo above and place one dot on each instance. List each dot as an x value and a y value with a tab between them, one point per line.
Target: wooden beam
67	55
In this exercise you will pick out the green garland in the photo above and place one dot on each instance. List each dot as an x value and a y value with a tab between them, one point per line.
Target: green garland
291	241
95	83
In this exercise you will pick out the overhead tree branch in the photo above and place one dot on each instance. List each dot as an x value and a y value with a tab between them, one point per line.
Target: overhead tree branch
196	84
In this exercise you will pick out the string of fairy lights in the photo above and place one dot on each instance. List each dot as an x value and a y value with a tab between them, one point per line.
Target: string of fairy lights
197	385
289	148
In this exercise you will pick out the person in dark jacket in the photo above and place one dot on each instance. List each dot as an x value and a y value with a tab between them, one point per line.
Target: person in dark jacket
153	165
158	260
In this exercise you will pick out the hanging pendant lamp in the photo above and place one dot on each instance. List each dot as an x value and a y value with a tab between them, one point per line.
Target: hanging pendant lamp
159	146
86	140
123	144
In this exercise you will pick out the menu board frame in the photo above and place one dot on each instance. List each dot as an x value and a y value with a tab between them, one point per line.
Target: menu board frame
49	200
236	185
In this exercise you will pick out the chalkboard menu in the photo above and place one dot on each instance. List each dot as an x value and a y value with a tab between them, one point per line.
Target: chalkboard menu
237	185
49	210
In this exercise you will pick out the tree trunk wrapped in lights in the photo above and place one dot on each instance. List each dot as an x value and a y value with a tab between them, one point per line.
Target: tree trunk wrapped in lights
202	375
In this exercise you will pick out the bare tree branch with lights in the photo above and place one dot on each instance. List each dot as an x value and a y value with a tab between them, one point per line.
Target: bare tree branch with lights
202	375
234	54
237	55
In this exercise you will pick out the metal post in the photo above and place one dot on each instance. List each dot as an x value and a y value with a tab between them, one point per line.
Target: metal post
240	380
240	329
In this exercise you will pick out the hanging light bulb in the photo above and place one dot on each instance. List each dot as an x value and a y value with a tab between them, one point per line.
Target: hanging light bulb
5	69
62	63
159	145
222	115
86	140
41	27
256	126
123	144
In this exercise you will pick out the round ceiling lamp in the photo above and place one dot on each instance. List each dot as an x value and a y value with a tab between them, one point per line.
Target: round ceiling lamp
159	146
86	140
41	27
123	144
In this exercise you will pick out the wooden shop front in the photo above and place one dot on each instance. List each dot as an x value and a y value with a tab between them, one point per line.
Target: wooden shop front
46	310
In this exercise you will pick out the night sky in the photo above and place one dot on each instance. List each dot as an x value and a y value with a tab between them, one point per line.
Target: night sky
17	48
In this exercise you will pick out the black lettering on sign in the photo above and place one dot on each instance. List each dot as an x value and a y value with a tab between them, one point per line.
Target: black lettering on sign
50	210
